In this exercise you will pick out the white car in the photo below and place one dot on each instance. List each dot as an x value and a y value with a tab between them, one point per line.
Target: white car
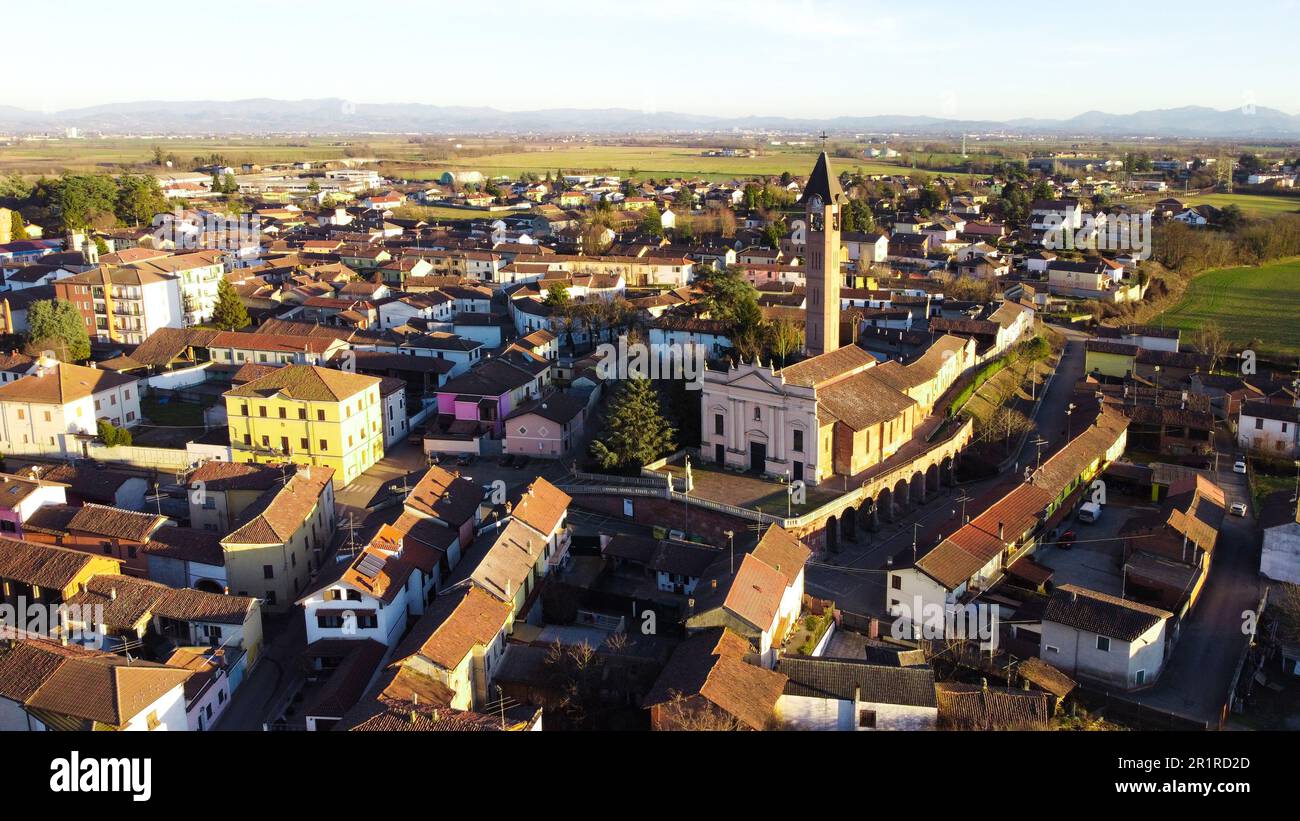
1239	509
1239	467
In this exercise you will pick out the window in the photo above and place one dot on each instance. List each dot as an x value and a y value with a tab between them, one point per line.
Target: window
896	582
866	719
1140	677
243	410
1259	424
1103	644
1053	649
717	424
268	571
270	597
21	414
798	440
304	444
302	413
284	413
261	411
320	415
758	413
47	416
324	445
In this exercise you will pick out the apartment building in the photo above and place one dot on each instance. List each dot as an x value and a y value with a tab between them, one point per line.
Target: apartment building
308	415
124	304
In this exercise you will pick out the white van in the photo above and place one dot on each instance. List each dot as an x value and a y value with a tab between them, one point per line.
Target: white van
1089	512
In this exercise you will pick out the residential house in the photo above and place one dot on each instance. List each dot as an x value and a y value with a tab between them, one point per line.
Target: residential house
1114	641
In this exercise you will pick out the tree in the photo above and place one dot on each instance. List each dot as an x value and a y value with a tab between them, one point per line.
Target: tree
557	296
652	222
58	326
111	435
85	200
636	431
229	313
17	227
786	339
1211	342
139	199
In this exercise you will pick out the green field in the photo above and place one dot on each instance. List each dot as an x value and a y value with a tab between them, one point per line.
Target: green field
640	161
1248	303
426	158
1253	205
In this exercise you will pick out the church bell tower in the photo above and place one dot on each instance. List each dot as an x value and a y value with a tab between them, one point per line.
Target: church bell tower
822	199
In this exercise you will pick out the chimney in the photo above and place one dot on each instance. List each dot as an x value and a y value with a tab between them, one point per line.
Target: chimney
112	594
984	684
1000	532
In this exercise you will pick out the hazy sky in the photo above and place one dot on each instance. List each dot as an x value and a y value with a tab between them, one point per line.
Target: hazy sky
812	58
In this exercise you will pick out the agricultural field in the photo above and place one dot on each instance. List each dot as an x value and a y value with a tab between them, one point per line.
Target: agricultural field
1249	303
111	155
638	161
1251	204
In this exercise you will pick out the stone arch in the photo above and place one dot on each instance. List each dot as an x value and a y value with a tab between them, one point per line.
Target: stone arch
902	496
884	504
919	491
946	471
933	482
849	524
869	515
832	534
209	586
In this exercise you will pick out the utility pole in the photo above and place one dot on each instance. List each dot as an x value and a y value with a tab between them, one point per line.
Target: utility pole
731	546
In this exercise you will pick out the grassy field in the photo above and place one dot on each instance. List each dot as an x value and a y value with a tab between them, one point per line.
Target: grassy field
1248	303
424	159
639	161
1253	205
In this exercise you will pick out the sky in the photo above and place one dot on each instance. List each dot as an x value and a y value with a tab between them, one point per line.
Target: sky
796	58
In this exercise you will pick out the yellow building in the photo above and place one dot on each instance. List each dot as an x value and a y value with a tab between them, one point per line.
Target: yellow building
1116	359
310	416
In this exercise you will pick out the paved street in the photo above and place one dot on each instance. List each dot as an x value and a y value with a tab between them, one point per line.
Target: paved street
1196	679
855	577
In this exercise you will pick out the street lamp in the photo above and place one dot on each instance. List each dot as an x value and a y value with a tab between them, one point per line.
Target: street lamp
731	546
1069	431
1157	372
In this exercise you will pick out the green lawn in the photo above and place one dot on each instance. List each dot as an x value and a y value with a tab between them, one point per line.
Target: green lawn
172	413
1248	303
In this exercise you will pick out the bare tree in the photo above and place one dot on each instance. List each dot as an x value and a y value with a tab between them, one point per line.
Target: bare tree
786	337
1211	342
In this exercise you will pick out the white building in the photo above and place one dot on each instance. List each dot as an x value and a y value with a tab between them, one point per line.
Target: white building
852	695
55	410
1111	640
1269	429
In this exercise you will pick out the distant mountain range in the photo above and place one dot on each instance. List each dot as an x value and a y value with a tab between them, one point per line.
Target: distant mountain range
335	116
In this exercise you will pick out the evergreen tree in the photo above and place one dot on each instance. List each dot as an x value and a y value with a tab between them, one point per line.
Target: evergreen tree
58	326
17	228
229	313
636	431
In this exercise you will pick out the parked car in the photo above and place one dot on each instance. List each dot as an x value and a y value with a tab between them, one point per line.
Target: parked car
507	461
1089	512
1239	467
1066	541
1239	509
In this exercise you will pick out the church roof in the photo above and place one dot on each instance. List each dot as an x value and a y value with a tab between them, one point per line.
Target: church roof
822	182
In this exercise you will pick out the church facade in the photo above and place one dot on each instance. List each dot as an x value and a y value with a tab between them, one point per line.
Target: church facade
839	411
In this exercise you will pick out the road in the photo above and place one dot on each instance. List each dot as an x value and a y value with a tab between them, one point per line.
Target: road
855	577
1196	678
